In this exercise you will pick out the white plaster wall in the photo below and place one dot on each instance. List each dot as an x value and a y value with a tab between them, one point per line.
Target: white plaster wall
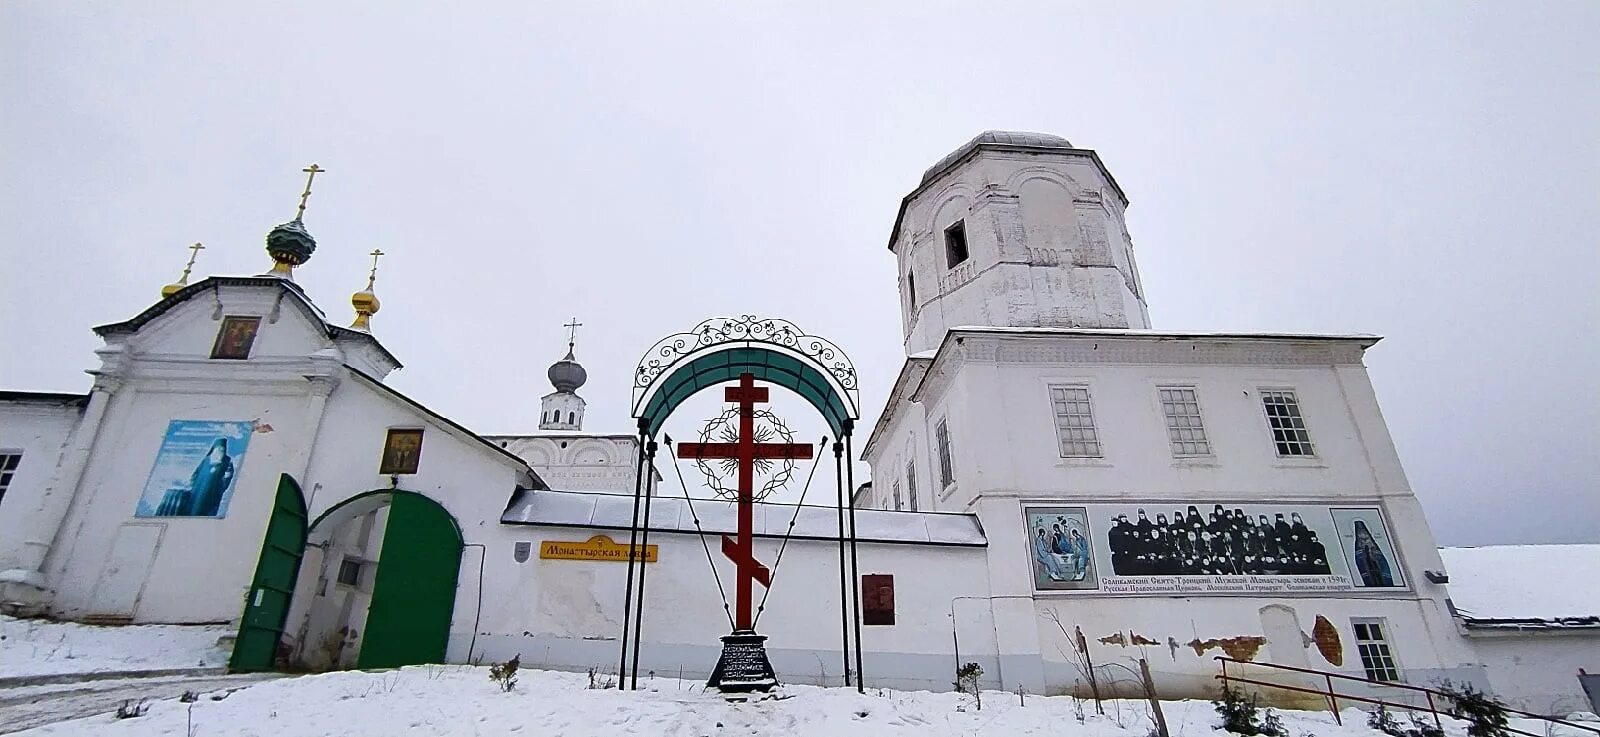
568	614
1538	671
38	431
994	392
577	462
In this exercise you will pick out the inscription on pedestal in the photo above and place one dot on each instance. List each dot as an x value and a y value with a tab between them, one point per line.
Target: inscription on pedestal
743	665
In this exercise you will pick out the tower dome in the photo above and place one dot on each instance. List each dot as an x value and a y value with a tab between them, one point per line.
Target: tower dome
566	375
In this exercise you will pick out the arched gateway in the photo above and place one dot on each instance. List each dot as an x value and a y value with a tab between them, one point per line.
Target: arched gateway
744	350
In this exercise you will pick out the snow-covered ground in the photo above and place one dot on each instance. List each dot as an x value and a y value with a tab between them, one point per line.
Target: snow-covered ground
458	701
35	647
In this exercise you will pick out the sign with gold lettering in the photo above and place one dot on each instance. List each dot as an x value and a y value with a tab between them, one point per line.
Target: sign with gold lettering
599	547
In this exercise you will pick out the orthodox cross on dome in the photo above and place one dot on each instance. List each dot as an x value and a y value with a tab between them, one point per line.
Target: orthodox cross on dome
311	174
572	332
372	276
183	280
746	451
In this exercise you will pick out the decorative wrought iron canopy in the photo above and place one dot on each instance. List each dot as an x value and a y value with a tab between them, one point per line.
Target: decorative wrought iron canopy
718	350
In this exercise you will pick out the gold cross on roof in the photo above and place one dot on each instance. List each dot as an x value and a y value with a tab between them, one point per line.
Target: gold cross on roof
311	174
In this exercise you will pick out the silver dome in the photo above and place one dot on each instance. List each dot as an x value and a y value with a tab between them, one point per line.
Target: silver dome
567	374
995	138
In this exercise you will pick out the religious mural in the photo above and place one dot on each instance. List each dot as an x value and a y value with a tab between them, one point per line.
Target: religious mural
1210	548
195	469
1366	545
1059	540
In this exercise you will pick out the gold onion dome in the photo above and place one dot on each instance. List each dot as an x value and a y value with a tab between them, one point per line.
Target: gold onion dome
366	301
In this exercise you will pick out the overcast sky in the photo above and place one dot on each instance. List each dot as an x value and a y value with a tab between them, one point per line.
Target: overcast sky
1428	172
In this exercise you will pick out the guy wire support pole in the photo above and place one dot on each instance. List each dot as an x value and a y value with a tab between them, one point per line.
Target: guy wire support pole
844	574
633	533
855	569
644	561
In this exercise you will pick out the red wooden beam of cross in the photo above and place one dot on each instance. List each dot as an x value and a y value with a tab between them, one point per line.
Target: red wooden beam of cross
742	550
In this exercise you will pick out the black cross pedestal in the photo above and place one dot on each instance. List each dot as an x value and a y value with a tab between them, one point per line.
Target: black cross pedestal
743	666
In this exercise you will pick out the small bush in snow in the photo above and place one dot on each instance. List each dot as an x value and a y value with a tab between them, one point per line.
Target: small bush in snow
967	681
505	674
1485	717
1241	714
129	709
1383	720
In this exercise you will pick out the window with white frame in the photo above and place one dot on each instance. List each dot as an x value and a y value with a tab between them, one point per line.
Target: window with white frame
1075	422
1185	431
1372	644
947	472
8	468
1289	434
911	486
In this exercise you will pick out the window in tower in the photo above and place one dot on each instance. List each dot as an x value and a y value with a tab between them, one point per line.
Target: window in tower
1075	429
1288	426
955	244
947	471
572	417
1185	431
911	290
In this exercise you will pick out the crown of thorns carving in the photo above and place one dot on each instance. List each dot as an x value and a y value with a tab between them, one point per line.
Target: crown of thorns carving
724	429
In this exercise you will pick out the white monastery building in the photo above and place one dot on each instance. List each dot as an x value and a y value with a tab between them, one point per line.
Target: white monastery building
1058	488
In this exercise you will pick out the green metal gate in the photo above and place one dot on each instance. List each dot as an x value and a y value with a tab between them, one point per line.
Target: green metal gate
414	592
267	606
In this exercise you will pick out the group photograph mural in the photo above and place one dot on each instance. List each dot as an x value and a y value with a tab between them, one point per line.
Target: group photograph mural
195	469
1210	548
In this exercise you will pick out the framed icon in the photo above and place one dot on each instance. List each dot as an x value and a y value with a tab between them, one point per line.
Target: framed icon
402	451
236	337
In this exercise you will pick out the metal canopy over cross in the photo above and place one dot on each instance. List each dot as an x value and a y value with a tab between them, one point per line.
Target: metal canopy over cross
742	550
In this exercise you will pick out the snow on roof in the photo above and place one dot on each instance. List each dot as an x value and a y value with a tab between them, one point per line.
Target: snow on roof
614	512
1143	333
1544	585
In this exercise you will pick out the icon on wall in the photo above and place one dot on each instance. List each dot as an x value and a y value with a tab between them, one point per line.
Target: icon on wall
236	337
402	451
1058	539
1366	543
195	469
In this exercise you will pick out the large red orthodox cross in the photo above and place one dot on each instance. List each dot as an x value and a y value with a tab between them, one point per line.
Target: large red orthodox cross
746	451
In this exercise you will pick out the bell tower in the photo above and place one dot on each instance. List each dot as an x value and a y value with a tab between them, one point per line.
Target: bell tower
1015	230
562	409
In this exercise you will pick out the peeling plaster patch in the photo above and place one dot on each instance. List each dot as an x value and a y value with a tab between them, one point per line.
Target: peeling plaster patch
1115	639
1172	647
1242	648
261	427
1139	639
1327	638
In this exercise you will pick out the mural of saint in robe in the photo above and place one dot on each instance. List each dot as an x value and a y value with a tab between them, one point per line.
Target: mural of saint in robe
195	469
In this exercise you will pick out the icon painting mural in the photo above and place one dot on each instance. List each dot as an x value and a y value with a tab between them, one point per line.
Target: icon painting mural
195	469
1221	548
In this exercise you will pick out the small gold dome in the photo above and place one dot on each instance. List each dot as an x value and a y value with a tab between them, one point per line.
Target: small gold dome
171	289
366	304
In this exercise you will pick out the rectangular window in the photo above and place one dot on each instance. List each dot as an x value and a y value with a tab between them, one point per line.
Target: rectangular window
235	337
911	486
402	451
8	468
350	572
1185	431
1075	422
1288	427
896	496
877	599
947	472
955	244
1372	644
911	290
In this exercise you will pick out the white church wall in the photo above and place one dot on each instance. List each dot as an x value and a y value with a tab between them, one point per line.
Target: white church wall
576	461
568	614
39	432
188	331
1537	671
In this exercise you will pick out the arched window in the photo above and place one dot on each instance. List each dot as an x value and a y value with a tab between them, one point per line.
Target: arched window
544	416
572	417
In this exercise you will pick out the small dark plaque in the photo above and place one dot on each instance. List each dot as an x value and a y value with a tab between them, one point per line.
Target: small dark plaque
743	665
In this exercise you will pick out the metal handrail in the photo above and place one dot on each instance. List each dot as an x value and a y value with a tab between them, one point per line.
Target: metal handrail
1333	696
